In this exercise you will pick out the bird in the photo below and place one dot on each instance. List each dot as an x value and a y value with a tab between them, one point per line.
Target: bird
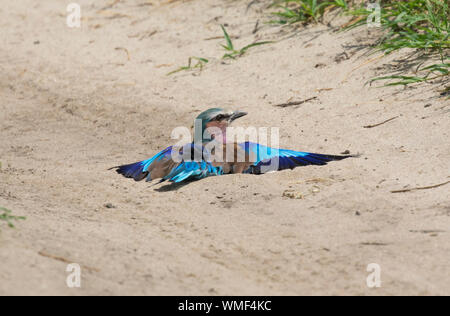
207	155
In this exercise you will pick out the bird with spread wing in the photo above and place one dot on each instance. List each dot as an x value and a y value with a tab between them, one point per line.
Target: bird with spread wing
212	155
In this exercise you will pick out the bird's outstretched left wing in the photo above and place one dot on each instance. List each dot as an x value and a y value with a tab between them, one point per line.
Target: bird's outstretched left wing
143	169
268	159
162	166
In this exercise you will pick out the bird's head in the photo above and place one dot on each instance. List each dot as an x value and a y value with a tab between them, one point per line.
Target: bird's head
213	120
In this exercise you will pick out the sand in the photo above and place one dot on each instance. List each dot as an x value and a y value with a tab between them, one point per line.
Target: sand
75	102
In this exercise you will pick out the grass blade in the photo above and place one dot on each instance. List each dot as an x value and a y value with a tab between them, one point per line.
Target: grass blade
230	45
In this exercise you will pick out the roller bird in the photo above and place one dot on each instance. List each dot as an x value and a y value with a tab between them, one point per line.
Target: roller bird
210	154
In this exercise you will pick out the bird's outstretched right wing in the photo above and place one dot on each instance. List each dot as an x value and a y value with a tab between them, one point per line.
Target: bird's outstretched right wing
268	159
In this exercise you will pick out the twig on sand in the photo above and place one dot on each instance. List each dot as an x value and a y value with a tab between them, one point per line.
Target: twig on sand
285	105
111	15
421	188
64	260
220	37
374	244
362	65
256	28
384	122
323	89
353	21
109	6
251	4
125	50
148	35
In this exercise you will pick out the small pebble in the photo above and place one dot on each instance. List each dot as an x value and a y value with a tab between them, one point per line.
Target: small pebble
293	195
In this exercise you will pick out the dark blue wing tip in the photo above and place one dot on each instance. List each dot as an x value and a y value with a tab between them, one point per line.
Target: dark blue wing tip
327	158
292	162
134	170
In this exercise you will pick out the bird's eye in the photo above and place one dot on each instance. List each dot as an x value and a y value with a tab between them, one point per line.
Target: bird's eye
220	117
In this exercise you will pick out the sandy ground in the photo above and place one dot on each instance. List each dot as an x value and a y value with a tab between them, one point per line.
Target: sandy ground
75	102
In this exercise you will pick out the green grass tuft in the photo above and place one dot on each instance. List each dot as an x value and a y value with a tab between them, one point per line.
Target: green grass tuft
294	11
5	216
201	62
422	25
233	53
432	72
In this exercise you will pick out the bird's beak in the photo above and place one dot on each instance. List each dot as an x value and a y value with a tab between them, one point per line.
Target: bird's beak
237	115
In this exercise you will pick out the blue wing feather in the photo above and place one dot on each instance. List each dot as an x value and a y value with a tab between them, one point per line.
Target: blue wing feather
268	159
193	170
183	171
139	170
